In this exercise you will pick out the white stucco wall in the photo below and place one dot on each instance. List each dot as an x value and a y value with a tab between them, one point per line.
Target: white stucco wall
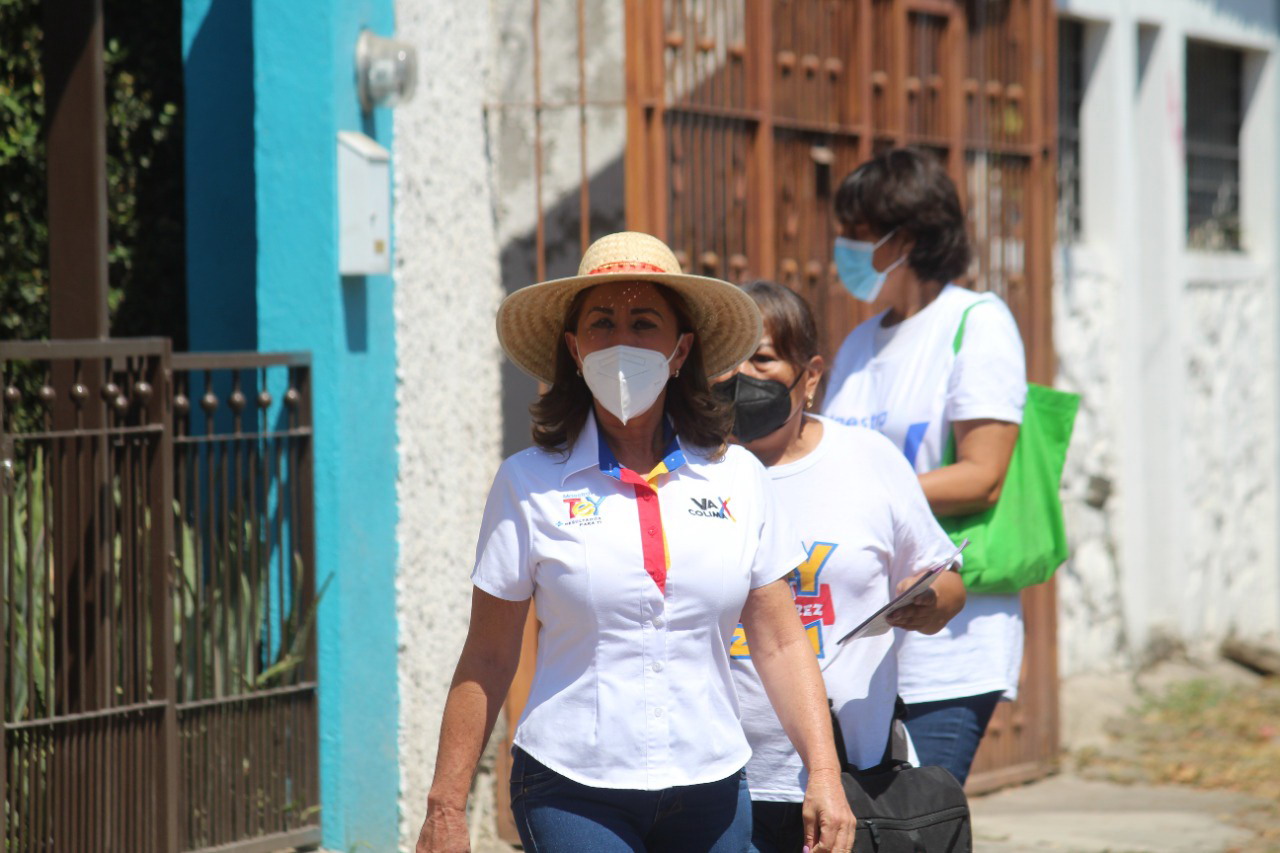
1171	484
513	139
447	292
1229	451
1086	313
465	208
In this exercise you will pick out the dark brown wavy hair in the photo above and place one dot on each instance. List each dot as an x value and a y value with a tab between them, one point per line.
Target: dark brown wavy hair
701	419
908	189
789	323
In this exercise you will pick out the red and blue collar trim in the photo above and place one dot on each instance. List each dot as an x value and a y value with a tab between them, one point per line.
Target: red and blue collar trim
672	458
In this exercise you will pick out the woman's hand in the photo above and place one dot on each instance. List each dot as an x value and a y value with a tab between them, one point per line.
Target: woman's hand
930	611
828	822
444	831
480	682
789	672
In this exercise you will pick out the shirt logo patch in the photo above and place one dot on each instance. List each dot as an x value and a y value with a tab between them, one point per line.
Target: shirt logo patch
711	508
582	510
812	600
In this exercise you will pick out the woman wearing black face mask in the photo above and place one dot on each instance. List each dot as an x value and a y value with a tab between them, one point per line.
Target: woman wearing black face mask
867	529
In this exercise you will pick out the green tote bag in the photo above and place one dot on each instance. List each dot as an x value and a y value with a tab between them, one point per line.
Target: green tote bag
1021	540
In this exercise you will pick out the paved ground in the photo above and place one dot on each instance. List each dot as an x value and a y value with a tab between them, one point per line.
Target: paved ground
1070	814
1074	815
1067	814
1077	815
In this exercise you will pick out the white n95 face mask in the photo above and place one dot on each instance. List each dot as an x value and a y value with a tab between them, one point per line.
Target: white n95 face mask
626	380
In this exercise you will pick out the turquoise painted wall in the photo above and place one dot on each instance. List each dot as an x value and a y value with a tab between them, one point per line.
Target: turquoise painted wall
217	54
303	93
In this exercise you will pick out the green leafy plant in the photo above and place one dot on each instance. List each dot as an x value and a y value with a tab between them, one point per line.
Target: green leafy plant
247	644
146	259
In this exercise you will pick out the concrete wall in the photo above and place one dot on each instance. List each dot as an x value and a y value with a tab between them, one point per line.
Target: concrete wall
267	274
513	147
447	381
466	213
1171	481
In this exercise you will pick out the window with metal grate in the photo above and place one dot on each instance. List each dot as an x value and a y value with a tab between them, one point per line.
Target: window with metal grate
1214	79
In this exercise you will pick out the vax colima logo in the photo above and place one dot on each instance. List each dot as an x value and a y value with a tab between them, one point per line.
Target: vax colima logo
711	508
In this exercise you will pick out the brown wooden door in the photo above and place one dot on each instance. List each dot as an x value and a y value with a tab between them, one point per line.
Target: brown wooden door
743	116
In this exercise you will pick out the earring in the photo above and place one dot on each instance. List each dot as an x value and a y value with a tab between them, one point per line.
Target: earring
579	371
677	373
809	404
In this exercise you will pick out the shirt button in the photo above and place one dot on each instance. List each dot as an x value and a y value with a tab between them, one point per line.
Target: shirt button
657	622
657	712
653	531
657	666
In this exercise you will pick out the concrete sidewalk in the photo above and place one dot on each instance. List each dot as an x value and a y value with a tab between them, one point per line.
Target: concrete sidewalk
1075	815
1078	815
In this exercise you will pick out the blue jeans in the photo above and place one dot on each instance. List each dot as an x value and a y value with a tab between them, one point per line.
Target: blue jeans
777	827
946	733
555	814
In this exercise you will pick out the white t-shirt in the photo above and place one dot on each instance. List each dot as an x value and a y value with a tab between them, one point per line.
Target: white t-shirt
906	382
866	526
632	687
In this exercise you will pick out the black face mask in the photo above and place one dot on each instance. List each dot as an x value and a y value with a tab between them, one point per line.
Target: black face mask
760	406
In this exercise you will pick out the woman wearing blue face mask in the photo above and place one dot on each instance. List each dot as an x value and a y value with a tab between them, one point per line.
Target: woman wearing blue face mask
645	541
902	245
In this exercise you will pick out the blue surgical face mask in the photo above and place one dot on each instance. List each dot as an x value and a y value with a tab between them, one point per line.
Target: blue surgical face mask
857	272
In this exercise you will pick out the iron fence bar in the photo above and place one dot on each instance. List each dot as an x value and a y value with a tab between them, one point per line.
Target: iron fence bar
76	348
188	361
253	696
306	486
159	410
503	106
85	716
91	432
267	843
7	549
747	114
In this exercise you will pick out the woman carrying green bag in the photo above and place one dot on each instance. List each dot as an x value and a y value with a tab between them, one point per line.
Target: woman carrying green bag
902	242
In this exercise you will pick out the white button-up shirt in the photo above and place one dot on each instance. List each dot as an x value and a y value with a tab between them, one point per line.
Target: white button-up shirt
639	583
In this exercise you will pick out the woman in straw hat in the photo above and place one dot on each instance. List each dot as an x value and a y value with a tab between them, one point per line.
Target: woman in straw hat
645	539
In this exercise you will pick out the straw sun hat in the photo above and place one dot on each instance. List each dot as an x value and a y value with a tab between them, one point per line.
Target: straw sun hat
531	320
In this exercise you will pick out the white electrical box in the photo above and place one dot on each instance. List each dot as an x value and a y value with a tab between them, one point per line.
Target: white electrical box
364	205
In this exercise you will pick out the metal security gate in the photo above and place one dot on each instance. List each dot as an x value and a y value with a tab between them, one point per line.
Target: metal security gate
157	564
743	116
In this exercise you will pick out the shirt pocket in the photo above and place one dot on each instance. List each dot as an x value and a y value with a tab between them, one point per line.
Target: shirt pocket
710	560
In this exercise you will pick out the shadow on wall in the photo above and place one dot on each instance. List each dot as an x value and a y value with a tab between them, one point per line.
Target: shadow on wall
355	312
564	251
221	214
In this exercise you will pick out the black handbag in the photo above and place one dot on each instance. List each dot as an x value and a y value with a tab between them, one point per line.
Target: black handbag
904	809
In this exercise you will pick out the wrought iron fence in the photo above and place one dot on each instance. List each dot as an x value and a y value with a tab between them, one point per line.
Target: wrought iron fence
244	602
742	119
158	668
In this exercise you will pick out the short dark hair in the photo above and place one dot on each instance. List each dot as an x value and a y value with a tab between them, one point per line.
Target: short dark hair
788	321
701	419
908	189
